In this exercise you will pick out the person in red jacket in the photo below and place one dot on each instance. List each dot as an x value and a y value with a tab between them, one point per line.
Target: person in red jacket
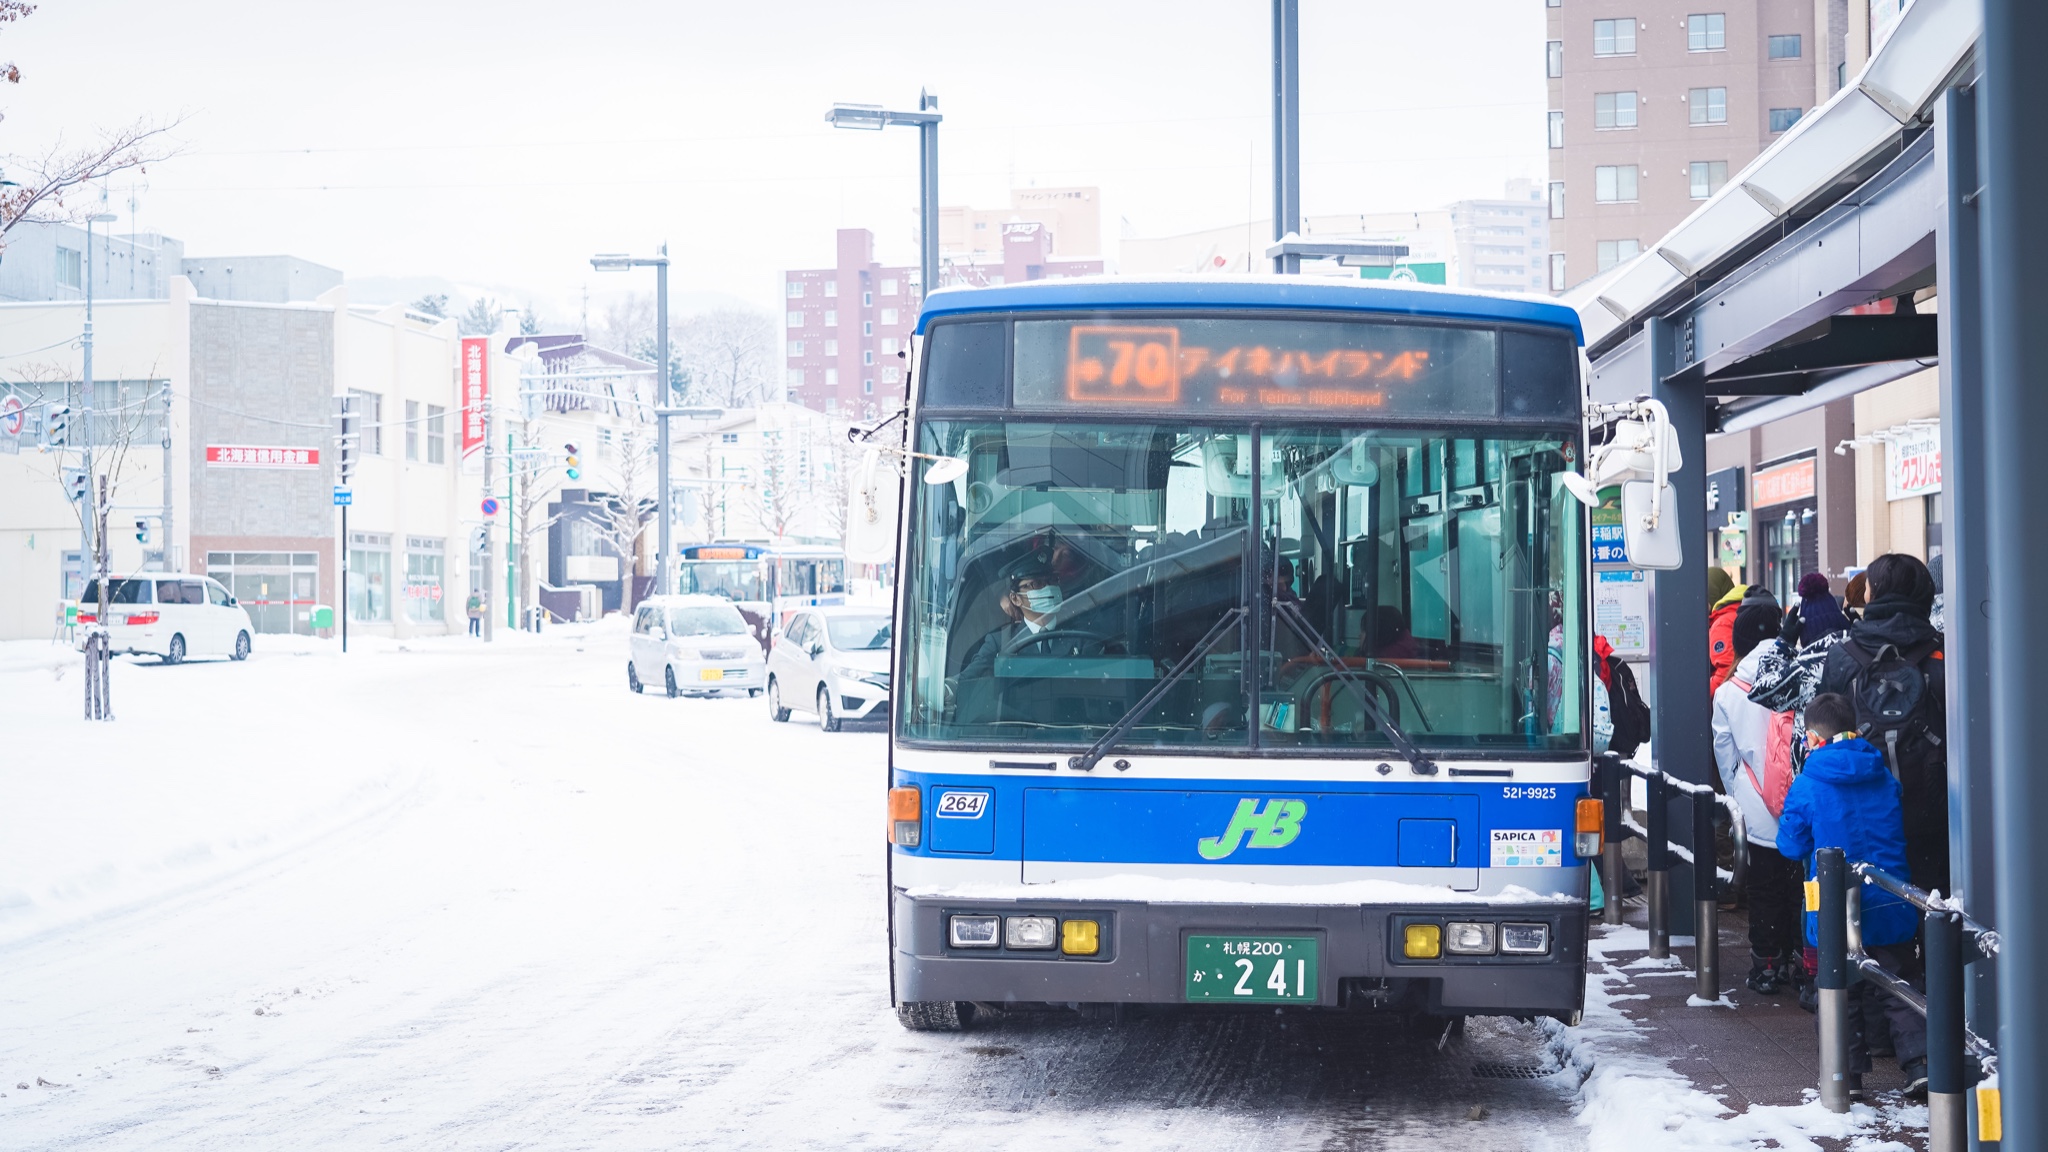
1721	634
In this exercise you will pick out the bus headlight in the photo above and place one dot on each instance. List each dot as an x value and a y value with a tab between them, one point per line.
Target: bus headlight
1029	931
973	931
1525	939
1465	938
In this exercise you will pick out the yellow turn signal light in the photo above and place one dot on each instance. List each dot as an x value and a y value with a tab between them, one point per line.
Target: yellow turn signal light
906	825
1080	937
1422	941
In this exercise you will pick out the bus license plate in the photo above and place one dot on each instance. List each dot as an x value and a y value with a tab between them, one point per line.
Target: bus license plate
1252	969
711	674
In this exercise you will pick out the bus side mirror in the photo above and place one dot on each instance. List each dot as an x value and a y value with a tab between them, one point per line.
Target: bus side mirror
871	511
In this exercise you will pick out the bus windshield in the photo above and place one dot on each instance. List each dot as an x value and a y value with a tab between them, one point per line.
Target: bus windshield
744	580
1291	566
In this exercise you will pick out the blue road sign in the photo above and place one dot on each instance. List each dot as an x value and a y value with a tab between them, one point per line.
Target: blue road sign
343	497
490	505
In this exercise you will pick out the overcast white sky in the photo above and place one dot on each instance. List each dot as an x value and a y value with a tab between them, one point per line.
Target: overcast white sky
500	144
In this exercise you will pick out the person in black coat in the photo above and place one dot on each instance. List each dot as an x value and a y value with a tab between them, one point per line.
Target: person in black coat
1901	601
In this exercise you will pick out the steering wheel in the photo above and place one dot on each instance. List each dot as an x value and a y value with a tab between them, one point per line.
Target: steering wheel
1052	634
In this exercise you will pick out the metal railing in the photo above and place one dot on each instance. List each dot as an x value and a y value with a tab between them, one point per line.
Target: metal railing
1950	942
1613	772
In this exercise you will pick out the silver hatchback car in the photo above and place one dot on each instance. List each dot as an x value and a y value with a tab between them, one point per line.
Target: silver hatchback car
832	662
695	645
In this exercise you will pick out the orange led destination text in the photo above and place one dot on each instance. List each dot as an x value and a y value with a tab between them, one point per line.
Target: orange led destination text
1123	364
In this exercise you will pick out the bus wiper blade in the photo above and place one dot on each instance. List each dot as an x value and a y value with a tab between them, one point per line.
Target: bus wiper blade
1288	611
1087	761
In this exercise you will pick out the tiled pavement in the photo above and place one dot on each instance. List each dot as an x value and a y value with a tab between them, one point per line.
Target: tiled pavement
1762	1051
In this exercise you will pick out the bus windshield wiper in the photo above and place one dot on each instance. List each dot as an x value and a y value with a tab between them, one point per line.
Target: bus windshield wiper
1288	611
1087	761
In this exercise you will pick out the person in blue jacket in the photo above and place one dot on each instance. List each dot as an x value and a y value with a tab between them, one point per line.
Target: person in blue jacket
1845	797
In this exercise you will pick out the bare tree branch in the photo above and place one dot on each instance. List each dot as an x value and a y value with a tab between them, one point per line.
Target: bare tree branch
42	181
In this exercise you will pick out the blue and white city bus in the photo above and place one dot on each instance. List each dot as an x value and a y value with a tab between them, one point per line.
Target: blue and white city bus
1242	652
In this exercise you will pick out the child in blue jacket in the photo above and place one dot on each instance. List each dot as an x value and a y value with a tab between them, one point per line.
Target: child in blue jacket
1845	797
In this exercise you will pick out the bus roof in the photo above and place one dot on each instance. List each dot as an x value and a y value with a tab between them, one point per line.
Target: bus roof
1222	291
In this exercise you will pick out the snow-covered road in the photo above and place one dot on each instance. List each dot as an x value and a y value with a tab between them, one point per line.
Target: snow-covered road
443	895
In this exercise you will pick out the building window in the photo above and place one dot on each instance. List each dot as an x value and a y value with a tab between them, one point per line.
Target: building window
1614	37
1707	177
1785	47
1557	199
1783	118
867	299
1553	3
832	319
1557	129
796	319
1557	271
831	347
889	315
425	563
892	375
796	348
795	289
867	327
888	287
1706	32
437	434
1553	59
1615	183
70	268
867	387
831	287
1612	252
890	345
728	438
369	572
867	356
369	412
412	429
1707	105
794	378
1613	110
831	377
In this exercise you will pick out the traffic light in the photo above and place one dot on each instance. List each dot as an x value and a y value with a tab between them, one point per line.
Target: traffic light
574	462
345	439
142	529
57	426
479	539
75	485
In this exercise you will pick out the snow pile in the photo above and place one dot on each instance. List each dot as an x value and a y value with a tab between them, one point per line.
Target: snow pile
1631	1099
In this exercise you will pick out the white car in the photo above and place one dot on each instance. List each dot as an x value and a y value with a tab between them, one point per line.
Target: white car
699	645
169	615
832	662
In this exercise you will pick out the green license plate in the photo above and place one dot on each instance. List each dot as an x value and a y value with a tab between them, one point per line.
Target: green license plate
1252	969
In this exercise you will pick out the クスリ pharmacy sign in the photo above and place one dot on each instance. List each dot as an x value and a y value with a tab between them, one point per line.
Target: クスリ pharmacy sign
1912	462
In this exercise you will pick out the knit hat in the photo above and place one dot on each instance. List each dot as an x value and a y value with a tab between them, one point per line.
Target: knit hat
1755	622
1812	586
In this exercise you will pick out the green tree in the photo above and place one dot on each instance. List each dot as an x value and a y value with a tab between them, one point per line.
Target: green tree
481	319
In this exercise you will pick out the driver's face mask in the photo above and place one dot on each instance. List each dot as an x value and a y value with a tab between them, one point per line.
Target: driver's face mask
1042	600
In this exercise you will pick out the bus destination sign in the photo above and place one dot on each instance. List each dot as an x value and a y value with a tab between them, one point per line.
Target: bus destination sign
1258	365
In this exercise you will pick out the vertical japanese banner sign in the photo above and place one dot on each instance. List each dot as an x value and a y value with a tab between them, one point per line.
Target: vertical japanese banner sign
476	390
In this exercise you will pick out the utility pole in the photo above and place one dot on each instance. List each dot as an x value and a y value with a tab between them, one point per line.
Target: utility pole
1286	129
487	564
662	401
93	527
170	563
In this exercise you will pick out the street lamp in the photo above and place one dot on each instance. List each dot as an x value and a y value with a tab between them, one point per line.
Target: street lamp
620	262
874	118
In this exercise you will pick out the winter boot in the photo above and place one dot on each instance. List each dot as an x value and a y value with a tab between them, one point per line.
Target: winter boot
1916	1079
1763	975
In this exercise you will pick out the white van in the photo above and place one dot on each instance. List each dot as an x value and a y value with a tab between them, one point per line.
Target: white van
169	615
693	644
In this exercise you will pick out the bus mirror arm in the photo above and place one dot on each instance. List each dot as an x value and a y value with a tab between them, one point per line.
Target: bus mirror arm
1288	611
1087	761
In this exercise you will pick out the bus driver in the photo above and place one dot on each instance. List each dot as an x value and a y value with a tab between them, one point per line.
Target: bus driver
1033	604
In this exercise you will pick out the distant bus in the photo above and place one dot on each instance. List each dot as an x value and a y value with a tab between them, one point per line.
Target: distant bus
764	580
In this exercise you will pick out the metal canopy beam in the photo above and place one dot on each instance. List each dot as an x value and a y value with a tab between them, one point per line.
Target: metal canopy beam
1836	342
1871	243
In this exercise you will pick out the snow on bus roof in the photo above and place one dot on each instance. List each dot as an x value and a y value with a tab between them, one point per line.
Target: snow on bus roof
1243	291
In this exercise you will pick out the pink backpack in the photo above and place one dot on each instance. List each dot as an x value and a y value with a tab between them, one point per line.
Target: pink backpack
1778	771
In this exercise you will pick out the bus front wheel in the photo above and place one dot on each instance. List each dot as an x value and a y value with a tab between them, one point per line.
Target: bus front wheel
935	1015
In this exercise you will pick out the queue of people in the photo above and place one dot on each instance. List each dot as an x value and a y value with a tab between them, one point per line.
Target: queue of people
1829	730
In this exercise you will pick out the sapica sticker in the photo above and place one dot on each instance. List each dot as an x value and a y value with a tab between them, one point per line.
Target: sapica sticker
1528	848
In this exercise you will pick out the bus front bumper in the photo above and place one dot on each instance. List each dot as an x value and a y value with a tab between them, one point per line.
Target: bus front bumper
1144	948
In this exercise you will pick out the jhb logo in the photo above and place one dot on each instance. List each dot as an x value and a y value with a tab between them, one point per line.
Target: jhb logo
1274	826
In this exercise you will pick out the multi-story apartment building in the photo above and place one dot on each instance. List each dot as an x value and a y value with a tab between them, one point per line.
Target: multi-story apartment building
1072	215
1653	106
846	330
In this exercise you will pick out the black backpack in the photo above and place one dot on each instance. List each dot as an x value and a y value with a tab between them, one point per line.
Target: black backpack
1627	709
1899	700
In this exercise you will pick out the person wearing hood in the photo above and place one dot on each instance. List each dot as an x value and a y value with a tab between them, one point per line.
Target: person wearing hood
1742	735
1721	631
1897	616
1846	798
1817	616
